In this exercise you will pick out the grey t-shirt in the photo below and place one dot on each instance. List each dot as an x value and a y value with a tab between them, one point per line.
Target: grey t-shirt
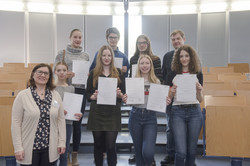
61	90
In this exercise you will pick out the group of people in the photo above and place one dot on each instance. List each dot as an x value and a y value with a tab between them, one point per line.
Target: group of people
41	134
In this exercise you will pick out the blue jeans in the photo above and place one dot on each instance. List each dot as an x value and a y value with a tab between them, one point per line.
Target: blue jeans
143	129
170	148
63	157
187	123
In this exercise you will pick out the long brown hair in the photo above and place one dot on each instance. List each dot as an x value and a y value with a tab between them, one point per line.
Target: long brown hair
151	76
50	85
148	51
194	65
97	71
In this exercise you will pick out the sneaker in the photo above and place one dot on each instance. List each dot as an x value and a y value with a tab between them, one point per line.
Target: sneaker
167	160
131	160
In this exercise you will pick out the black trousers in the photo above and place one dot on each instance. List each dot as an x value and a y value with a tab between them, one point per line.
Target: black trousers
41	158
77	130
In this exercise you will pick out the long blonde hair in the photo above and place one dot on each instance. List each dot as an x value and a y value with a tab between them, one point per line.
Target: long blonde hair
99	66
151	77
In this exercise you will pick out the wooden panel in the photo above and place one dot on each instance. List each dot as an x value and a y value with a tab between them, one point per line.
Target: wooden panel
6	148
231	77
240	67
224	101
6	100
11	88
227	131
221	69
14	76
210	77
218	88
242	85
245	93
204	70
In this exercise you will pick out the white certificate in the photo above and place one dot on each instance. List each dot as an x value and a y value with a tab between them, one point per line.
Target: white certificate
81	70
134	68
107	91
118	62
72	103
135	90
186	87
157	97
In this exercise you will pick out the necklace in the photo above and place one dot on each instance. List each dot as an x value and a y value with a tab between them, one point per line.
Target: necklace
41	92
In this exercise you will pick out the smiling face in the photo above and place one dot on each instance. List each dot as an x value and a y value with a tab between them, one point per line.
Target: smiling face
76	39
177	40
144	65
41	76
142	44
184	58
61	72
106	57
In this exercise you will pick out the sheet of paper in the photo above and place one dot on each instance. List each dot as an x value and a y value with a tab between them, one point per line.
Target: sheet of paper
118	62
135	90
72	103
107	91
157	97
81	70
186	87
134	68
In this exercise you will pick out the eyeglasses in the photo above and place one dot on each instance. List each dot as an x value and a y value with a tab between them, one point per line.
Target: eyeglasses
143	43
112	37
39	73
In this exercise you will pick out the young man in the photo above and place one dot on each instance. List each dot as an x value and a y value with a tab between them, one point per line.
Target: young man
177	40
113	36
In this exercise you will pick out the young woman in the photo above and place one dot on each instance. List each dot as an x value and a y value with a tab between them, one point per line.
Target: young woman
62	86
74	52
143	46
186	116
38	123
142	122
104	120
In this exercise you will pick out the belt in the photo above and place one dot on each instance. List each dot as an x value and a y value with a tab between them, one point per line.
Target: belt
187	105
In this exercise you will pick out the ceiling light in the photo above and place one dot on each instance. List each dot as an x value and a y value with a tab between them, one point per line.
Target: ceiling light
183	9
155	10
70	9
11	6
240	5
215	7
40	7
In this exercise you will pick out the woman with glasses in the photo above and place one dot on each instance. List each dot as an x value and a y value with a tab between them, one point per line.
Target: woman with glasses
72	52
143	46
38	123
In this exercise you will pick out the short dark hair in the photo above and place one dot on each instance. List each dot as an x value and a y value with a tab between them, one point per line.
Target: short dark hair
50	85
112	30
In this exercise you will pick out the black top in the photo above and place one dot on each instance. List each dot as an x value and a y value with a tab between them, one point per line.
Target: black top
104	117
173	74
156	63
166	66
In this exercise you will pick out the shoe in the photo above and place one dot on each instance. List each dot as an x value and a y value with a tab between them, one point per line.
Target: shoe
167	160
153	163
75	159
131	160
68	160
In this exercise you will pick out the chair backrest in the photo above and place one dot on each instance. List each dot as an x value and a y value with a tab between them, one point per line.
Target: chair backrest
224	100
240	67
221	69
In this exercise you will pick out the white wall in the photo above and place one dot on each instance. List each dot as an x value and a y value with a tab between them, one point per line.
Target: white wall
219	38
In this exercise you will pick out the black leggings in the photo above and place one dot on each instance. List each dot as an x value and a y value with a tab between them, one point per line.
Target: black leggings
41	158
105	141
